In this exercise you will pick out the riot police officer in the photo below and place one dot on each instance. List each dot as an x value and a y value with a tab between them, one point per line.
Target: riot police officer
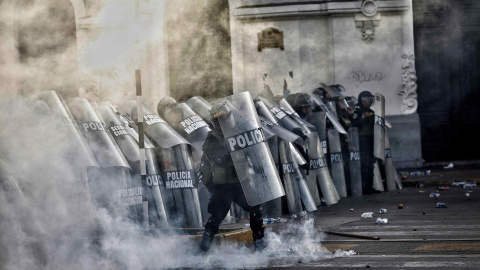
363	119
219	176
303	105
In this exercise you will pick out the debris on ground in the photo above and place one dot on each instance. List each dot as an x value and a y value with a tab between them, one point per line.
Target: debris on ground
400	206
382	220
449	166
383	211
470	184
441	205
443	188
434	195
367	215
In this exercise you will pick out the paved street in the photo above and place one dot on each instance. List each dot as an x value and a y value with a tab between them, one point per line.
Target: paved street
417	236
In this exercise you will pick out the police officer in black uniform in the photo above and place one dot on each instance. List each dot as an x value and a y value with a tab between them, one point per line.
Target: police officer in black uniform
220	178
363	119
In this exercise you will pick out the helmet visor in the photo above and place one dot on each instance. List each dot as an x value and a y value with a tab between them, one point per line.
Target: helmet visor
367	101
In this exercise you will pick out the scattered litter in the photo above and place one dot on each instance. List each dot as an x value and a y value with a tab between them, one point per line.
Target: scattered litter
422	191
383	211
414	173
468	195
441	205
471	184
382	220
400	206
293	216
443	188
367	215
434	195
273	220
351	209
458	184
404	177
449	166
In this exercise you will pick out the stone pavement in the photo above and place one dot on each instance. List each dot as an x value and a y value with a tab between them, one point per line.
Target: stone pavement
419	235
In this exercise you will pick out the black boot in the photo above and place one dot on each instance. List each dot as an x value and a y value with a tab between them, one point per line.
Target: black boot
206	241
259	245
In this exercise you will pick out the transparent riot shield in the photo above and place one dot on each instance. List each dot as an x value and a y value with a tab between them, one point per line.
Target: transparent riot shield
189	124
273	129
280	116
331	116
377	177
355	165
201	106
319	121
379	127
151	155
75	152
289	173
318	165
127	139
155	127
113	176
176	163
250	154
336	161
287	108
180	179
292	166
390	173
273	208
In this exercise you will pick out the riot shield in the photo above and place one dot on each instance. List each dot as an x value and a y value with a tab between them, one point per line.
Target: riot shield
155	127
289	173
273	129
318	101
285	106
80	151
318	165
180	179
128	143
273	208
75	152
379	127
336	161
191	126
201	106
114	175
280	116
377	177
355	165
151	159
176	164
296	160
390	173
249	151
319	121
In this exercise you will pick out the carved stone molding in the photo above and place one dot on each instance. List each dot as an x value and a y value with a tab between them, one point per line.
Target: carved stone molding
409	82
367	22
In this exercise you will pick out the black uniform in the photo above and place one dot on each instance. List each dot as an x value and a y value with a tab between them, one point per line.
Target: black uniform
365	132
222	180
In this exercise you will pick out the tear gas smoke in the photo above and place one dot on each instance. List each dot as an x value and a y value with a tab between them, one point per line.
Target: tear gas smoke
35	151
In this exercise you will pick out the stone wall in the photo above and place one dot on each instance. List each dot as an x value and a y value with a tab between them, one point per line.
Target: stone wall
333	42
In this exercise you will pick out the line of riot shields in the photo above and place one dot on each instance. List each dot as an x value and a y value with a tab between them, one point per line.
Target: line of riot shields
289	163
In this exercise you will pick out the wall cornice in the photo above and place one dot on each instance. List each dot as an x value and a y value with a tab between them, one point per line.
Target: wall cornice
276	9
